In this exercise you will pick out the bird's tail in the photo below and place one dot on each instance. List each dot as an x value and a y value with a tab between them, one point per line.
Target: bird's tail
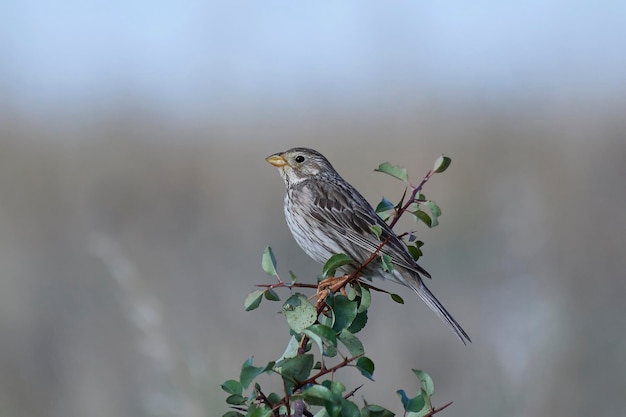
420	288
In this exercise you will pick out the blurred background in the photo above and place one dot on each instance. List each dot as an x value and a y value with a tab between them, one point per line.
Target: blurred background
135	201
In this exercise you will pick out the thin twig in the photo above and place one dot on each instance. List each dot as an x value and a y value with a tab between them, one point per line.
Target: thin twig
323	372
436	410
285	285
411	199
351	393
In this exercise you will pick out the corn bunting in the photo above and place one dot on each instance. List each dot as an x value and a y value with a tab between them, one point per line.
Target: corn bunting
326	215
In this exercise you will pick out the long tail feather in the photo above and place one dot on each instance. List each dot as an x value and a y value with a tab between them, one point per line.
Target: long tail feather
420	288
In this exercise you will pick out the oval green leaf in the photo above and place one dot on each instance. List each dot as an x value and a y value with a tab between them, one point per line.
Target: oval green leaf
416	404
349	409
268	262
317	395
358	323
232	387
373	410
384	205
423	216
326	333
296	369
387	263
442	163
414	251
366	300
393	170
336	261
236	399
344	311
232	414
253	300
434	210
397	298
249	372
366	366
377	230
300	313
426	381
351	342
271	295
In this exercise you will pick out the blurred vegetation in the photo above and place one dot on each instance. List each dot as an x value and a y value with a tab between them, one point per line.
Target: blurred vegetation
129	241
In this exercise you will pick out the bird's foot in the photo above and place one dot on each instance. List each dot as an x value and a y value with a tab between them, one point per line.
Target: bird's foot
332	284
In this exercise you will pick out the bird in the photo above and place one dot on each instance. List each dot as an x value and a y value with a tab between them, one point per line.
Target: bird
326	216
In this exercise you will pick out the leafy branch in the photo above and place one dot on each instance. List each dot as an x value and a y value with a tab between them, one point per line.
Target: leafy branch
329	326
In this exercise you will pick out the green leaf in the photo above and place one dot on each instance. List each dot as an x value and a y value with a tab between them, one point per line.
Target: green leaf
366	300
426	407
387	263
434	210
234	387
321	413
300	313
330	351
442	163
344	310
324	332
315	338
397	298
423	216
249	372
271	295
321	335
349	409
373	410
384	215
236	399
395	171
377	230
351	342
426	381
291	350
328	318
351	292
416	404
384	205
268	262
358	323
415	252
232	414
403	398
253	300
273	398
336	261
296	369
333	409
262	411
366	366
317	395
336	387
293	277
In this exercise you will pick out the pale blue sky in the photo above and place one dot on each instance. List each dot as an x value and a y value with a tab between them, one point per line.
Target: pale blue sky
185	54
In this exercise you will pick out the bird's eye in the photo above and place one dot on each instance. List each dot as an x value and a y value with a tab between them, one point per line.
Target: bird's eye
299	159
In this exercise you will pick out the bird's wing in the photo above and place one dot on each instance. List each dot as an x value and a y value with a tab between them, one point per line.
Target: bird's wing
347	212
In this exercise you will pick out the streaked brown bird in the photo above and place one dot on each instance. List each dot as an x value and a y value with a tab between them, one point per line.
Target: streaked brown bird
326	215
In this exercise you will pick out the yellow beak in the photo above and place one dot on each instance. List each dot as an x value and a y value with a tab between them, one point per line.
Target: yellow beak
276	160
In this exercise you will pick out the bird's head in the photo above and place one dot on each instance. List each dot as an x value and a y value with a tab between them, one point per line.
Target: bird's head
298	164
